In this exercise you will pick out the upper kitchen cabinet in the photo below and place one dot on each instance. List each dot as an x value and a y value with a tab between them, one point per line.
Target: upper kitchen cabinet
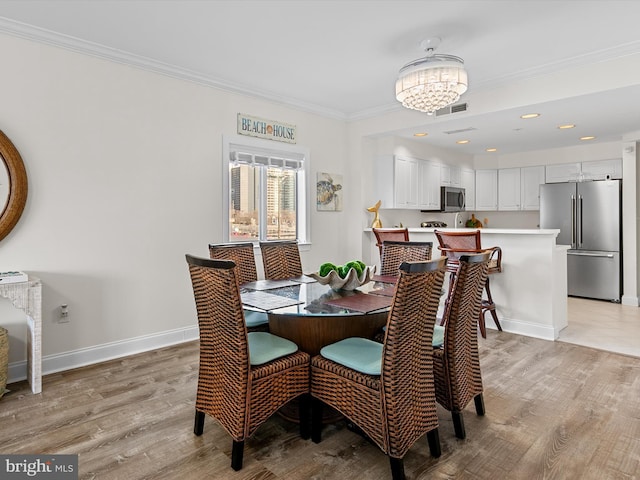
429	185
450	175
574	172
395	181
408	183
468	182
565	172
509	189
530	180
602	169
486	190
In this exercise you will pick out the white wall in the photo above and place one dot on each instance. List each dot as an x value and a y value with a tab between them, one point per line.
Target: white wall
124	170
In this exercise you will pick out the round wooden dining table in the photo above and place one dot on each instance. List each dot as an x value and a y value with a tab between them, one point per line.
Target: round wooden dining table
324	316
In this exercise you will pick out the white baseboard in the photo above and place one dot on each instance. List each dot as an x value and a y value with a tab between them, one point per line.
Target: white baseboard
100	353
521	327
630	300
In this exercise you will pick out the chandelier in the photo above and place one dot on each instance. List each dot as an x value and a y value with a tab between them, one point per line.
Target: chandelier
433	82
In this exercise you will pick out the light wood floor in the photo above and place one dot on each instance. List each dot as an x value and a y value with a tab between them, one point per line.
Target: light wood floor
554	411
604	325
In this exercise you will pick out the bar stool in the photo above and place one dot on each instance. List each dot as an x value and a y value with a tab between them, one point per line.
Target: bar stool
454	244
392	234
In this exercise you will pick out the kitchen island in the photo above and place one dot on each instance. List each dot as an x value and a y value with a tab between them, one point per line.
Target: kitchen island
531	291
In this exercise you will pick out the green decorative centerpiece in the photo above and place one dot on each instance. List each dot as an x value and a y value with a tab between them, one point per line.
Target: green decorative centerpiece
349	276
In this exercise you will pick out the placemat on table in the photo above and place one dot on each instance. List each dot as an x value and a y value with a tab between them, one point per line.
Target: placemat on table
362	302
384	278
267	301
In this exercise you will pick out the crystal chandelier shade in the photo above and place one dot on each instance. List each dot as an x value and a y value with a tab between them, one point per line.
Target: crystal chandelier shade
431	83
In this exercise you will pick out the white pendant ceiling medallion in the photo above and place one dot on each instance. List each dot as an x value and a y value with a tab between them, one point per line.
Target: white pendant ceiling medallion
433	82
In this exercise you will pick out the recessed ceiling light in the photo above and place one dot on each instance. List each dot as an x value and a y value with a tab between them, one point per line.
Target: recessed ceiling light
568	125
530	115
462	142
587	138
420	134
492	149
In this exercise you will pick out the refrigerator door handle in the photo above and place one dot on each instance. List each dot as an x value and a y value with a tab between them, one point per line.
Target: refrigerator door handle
583	254
573	221
579	221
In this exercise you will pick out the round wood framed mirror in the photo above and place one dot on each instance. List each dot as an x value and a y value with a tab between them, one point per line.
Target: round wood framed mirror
13	185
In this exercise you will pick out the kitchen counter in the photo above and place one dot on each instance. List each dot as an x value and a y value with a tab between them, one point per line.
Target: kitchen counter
492	231
530	292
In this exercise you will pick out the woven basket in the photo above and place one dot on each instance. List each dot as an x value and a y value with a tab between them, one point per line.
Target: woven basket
4	359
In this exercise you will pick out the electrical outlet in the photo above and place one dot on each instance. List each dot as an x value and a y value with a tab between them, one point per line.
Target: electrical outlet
64	313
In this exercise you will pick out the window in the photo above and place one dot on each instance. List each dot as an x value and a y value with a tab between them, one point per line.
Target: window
266	193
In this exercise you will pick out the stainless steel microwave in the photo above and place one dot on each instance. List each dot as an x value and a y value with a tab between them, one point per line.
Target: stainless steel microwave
452	199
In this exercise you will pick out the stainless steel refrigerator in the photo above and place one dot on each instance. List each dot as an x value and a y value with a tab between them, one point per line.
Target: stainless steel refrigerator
588	215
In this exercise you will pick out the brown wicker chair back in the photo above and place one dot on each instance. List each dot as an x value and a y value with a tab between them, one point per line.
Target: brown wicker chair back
239	396
394	253
241	254
281	259
391	234
398	407
456	364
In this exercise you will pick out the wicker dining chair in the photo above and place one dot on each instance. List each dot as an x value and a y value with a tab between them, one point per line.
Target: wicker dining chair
281	259
242	255
387	389
456	364
243	377
454	244
394	253
391	234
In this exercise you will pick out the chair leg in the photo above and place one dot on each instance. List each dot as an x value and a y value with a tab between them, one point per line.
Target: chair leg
397	468
433	437
237	452
481	325
316	420
492	305
479	401
198	425
458	425
304	411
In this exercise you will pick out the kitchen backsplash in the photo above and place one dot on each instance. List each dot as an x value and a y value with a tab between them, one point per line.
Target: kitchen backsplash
413	218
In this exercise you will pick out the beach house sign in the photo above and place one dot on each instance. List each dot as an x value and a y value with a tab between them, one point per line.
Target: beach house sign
272	130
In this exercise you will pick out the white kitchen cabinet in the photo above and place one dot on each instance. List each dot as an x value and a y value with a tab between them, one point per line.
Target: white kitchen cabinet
602	169
509	189
564	172
428	185
530	180
576	172
449	175
395	181
405	183
486	190
468	182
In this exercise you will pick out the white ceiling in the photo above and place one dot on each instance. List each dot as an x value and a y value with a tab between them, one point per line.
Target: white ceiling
341	58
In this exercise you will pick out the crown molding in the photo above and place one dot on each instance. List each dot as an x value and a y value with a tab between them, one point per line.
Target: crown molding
48	37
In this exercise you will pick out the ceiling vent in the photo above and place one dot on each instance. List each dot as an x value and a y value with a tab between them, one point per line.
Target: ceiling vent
462	130
459	107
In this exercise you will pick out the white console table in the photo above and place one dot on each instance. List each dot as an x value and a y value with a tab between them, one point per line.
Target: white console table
27	296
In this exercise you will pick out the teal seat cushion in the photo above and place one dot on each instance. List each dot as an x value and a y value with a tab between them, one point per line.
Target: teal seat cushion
438	336
357	353
265	347
253	318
